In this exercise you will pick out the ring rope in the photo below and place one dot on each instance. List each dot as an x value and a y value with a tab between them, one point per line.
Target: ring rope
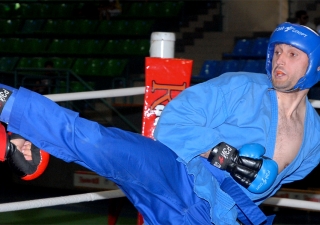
23	205
120	92
40	203
96	94
293	203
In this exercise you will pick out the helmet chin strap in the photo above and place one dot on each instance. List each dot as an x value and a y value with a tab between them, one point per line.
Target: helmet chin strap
286	91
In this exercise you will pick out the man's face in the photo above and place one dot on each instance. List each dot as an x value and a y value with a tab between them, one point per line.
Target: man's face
303	19
289	64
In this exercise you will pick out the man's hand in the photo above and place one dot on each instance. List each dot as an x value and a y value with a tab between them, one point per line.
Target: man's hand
25	159
247	166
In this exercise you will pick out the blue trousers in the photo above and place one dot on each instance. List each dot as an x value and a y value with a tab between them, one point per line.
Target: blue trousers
146	170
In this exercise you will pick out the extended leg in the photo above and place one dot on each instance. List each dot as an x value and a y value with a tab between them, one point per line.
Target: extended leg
146	170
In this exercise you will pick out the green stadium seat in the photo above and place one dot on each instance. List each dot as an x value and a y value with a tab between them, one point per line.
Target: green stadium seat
6	10
143	47
115	67
105	27
50	27
40	10
91	46
170	9
80	66
7	64
136	10
9	26
14	45
39	62
114	27
23	10
35	45
31	62
57	46
151	9
25	62
96	67
84	26
112	47
121	27
62	10
140	27
71	46
62	63
61	87
77	86
32	26
67	26
127	47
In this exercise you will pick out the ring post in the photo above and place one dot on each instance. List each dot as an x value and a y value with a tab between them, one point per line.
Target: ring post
165	78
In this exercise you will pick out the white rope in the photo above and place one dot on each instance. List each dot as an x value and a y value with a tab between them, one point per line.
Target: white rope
293	203
121	92
39	203
315	103
96	94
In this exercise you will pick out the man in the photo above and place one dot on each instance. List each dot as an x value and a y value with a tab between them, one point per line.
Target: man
220	123
302	18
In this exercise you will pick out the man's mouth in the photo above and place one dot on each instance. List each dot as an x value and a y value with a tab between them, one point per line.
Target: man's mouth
279	73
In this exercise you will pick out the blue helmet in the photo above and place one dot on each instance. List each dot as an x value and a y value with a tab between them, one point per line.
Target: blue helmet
305	40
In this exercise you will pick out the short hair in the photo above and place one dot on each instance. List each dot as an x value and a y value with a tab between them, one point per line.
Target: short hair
300	13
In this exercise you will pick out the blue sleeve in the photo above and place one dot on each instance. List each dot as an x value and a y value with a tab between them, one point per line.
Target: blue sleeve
187	123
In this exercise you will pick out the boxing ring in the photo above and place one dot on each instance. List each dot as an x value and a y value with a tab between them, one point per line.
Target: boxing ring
94	196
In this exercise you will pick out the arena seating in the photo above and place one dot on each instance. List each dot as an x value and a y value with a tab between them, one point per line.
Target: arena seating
249	48
70	35
214	68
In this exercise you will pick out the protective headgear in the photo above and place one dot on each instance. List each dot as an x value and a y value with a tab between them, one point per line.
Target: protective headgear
305	40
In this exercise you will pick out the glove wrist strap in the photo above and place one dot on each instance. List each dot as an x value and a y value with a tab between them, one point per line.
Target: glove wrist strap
221	155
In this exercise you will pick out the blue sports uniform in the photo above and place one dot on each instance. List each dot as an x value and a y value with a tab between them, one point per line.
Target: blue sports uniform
146	170
237	108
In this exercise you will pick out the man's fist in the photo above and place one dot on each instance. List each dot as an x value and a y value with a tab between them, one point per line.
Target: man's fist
25	168
247	166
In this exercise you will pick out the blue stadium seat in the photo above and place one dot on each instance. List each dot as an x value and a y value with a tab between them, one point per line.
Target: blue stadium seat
255	66
231	66
241	50
259	48
209	69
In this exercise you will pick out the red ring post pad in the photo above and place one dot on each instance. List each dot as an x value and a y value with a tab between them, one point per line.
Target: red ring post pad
3	143
165	78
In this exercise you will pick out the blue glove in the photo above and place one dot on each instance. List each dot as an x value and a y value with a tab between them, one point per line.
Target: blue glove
7	96
247	165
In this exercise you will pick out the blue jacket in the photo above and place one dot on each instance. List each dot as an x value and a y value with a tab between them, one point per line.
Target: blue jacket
236	108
